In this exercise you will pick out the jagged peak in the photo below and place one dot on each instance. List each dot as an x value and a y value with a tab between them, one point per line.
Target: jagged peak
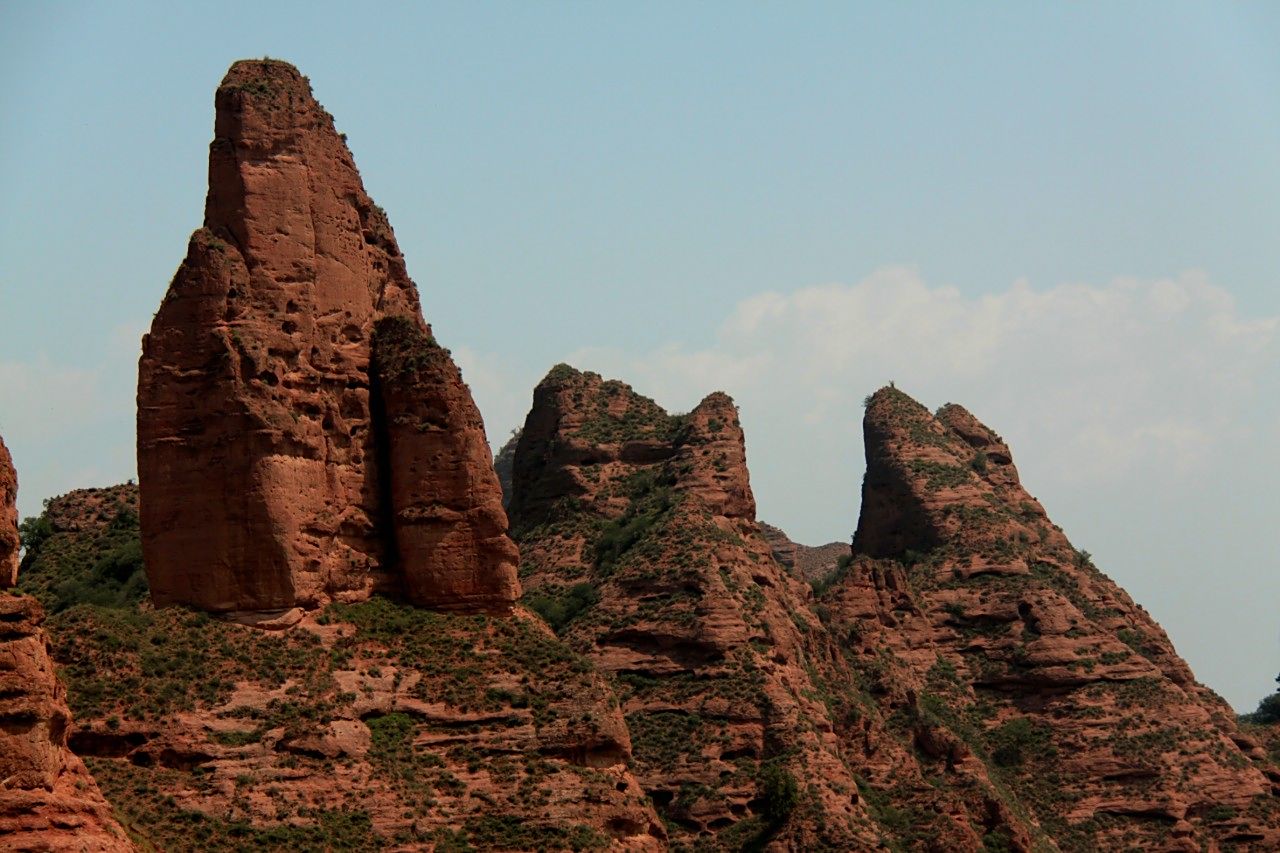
591	409
716	401
715	456
975	434
964	422
560	374
563	376
925	469
257	75
580	418
716	417
889	398
294	275
260	99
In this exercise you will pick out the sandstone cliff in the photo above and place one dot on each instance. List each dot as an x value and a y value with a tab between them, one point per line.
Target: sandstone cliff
9	544
266	437
966	680
640	545
48	800
1018	667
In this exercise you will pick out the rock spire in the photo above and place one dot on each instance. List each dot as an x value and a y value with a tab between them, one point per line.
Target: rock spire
285	459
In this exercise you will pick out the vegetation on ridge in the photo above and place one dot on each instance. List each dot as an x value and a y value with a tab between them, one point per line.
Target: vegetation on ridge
100	564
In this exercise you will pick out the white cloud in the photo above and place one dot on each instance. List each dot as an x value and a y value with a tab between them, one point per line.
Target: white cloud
1107	379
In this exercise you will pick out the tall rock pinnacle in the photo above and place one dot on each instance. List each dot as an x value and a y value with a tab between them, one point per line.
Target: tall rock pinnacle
275	469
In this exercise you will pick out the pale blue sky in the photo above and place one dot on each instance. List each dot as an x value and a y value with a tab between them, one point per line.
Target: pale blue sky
737	195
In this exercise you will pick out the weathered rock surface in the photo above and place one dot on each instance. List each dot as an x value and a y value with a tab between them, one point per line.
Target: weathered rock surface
450	526
976	621
264	438
370	726
9	541
640	544
809	562
365	726
48	800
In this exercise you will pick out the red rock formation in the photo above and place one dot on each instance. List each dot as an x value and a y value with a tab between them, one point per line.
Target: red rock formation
809	562
48	800
9	541
978	623
447	502
640	543
261	436
369	725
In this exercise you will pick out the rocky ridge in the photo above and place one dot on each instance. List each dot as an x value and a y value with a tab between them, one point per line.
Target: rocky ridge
268	430
970	613
813	563
314	472
640	544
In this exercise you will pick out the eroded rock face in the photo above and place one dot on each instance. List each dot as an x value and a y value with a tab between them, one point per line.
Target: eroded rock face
450	527
48	800
968	611
9	541
262	433
640	544
373	725
808	562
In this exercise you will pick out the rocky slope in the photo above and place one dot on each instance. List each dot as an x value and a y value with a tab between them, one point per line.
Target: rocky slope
280	465
84	549
973	617
9	544
640	545
813	563
366	726
48	800
698	696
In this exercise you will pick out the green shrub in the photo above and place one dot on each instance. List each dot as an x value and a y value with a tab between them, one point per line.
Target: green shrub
33	531
1268	711
939	475
1018	740
652	499
560	606
99	564
779	791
